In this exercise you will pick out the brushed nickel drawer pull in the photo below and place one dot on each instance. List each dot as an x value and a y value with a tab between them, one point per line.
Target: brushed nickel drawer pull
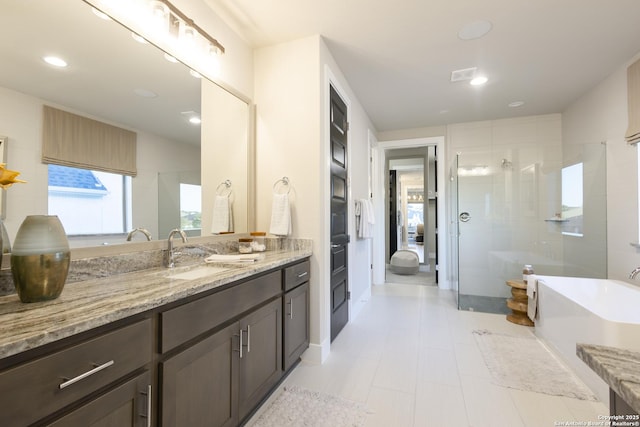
290	303
149	400
301	275
95	370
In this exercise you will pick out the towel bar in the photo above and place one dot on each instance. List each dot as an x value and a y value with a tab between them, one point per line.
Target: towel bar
224	186
285	183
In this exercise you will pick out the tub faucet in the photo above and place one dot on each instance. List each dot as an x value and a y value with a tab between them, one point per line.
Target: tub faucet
634	273
142	230
169	261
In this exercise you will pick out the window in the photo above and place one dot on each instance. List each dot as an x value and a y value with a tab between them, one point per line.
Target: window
190	207
89	202
572	200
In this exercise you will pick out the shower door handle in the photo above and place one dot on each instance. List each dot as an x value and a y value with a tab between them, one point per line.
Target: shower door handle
465	217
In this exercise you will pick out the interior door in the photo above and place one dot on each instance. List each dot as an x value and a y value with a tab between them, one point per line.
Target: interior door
393	214
339	208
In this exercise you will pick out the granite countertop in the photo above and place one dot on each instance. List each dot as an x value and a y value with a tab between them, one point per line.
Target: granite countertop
91	303
619	368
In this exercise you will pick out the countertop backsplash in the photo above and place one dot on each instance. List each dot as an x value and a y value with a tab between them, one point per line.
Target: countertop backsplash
89	266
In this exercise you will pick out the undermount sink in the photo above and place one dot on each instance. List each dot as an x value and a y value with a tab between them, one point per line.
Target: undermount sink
195	273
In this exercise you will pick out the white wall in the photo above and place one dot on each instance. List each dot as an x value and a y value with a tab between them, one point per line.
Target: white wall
21	121
291	97
601	115
287	98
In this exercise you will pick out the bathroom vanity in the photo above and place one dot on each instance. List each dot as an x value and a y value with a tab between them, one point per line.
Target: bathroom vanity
620	369
194	345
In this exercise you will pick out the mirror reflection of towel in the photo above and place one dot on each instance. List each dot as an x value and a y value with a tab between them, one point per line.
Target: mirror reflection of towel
222	215
280	215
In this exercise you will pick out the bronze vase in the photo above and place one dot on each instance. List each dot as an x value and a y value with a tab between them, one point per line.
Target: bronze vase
40	258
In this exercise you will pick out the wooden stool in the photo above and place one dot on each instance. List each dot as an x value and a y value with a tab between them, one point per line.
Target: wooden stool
518	304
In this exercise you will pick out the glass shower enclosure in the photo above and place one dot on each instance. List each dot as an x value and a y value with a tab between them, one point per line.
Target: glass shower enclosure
513	206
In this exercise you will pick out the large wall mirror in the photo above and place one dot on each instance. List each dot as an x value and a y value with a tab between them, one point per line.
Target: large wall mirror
113	78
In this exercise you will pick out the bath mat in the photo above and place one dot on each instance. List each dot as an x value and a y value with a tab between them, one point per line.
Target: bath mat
524	363
299	407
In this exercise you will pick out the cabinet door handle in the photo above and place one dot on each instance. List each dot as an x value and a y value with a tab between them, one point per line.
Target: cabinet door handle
149	400
248	338
80	377
290	303
241	342
301	275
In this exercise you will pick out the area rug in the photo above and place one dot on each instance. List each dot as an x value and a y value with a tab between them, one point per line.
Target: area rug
524	363
299	407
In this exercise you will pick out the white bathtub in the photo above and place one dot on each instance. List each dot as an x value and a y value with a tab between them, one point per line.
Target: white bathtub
594	311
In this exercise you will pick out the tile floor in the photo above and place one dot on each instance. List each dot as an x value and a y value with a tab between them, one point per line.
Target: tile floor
411	358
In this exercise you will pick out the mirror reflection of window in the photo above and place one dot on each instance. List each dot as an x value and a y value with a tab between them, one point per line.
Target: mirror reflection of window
190	206
89	202
572	200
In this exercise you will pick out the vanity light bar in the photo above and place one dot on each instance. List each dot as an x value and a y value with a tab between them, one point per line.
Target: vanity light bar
184	18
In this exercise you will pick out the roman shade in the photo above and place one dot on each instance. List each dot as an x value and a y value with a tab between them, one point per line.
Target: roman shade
72	140
633	98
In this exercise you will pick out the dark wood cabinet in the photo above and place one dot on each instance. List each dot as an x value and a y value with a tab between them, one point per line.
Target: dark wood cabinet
618	406
296	324
127	405
260	366
221	379
39	387
295	304
199	385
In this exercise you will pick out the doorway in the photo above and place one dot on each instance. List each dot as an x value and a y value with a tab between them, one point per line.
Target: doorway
412	213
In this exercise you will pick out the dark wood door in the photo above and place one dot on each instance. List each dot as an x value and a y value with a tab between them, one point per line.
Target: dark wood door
339	210
393	214
296	324
261	362
128	405
199	385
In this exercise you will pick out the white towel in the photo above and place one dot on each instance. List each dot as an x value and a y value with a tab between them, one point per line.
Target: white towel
280	215
222	215
365	218
532	297
240	258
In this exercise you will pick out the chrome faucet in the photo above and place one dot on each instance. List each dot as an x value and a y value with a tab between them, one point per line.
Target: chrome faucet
142	230
634	273
169	260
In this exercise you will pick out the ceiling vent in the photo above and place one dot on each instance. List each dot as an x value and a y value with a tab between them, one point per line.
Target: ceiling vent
462	75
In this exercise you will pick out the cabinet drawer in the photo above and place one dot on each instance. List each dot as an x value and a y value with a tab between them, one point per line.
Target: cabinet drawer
187	321
38	388
296	275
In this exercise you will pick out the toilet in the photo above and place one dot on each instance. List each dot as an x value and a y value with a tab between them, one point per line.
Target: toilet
404	262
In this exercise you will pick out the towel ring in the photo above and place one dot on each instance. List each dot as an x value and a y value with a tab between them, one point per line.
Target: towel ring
223	187
284	181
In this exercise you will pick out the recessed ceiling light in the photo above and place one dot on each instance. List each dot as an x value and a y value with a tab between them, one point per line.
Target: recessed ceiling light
478	81
516	104
474	30
145	93
55	61
195	74
195	120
